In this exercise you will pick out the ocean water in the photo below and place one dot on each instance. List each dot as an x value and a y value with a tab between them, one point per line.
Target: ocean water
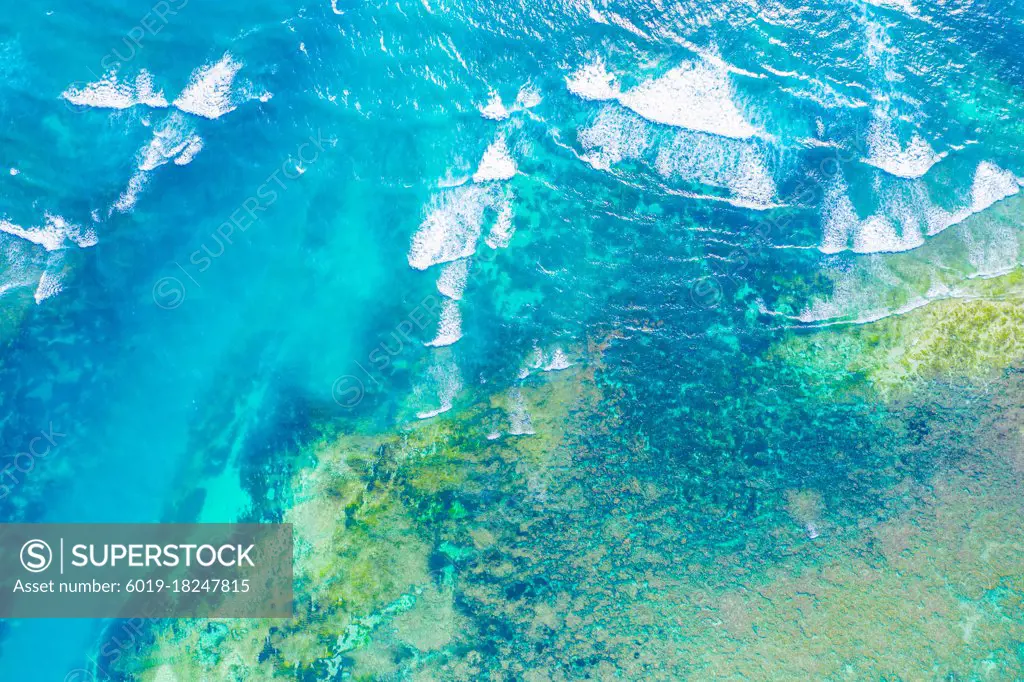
712	297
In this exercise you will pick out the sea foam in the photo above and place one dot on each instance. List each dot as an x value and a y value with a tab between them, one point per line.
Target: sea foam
495	109
131	193
193	146
529	96
446	382
173	138
739	166
886	152
905	217
501	232
452	281
593	81
497	162
896	227
449	326
111	93
452	226
50	284
990	185
208	92
56	233
613	136
559	361
696	95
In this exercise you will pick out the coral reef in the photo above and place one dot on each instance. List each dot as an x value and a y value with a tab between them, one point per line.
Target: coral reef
380	524
970	338
438	553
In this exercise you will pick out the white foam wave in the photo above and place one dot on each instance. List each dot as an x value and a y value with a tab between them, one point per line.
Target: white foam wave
22	267
50	284
452	227
896	227
208	92
991	184
905	218
449	326
879	47
497	163
593	81
495	109
595	14
559	361
81	237
110	93
130	195
529	96
695	95
501	232
428	414
54	234
452	281
880	234
173	138
735	165
193	146
612	137
447	381
886	152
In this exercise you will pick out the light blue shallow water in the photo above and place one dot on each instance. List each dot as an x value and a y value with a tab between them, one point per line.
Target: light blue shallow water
664	154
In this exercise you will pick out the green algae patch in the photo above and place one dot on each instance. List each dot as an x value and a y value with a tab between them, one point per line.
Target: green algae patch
383	523
452	550
961	340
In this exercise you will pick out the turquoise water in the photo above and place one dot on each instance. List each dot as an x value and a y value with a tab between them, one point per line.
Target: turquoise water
693	180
